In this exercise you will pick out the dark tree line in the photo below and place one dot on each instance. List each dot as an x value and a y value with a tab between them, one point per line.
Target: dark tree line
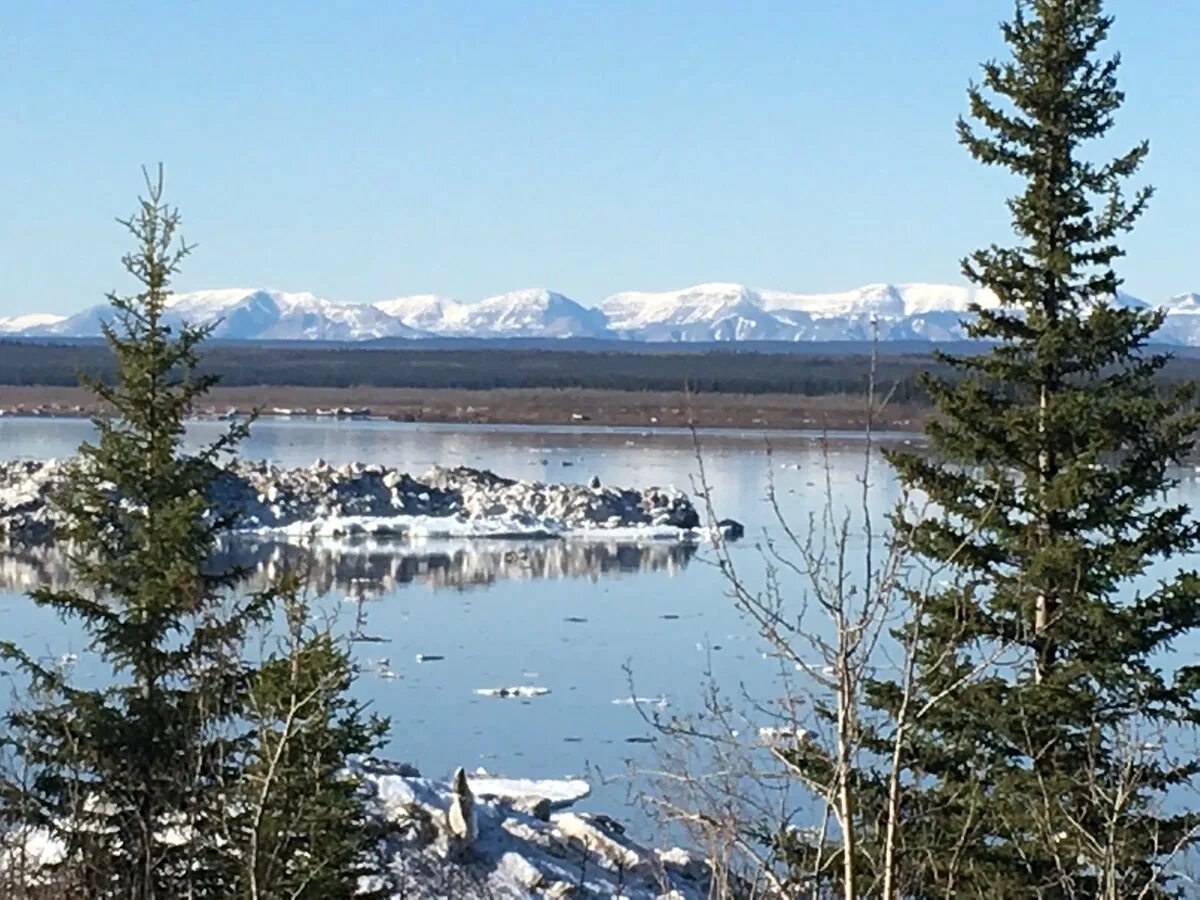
483	368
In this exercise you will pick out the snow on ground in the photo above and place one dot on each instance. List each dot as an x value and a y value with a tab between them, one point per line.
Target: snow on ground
559	794
480	835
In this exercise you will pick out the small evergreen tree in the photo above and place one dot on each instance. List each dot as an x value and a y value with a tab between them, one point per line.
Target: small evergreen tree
305	835
146	782
1043	771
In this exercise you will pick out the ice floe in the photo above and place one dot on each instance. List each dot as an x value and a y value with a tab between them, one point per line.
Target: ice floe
518	691
359	499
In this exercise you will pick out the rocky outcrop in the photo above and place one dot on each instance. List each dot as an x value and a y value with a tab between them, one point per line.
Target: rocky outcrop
487	837
358	498
460	817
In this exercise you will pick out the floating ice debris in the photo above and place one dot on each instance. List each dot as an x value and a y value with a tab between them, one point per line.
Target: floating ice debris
731	529
660	701
364	499
519	691
560	793
361	638
774	734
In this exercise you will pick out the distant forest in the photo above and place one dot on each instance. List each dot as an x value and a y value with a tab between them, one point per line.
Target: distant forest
808	370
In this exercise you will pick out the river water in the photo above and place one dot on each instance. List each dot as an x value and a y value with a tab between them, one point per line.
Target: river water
570	617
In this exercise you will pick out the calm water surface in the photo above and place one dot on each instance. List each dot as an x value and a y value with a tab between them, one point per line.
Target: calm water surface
566	616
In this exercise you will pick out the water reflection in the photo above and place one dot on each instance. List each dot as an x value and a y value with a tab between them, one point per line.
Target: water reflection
376	567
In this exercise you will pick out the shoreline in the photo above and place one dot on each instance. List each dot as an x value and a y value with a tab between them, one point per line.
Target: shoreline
508	406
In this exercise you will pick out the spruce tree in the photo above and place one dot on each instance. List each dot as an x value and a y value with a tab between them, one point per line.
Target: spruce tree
306	835
1043	770
134	777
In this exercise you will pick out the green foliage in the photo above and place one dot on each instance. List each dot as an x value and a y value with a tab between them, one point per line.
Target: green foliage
307	836
151	781
1043	771
1041	737
805	370
132	777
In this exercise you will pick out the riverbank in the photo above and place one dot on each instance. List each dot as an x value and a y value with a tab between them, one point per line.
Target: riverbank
512	406
477	835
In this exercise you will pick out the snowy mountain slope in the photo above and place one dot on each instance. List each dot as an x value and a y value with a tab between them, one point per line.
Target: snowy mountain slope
1182	304
533	312
424	312
28	323
303	316
250	314
705	312
715	311
1182	323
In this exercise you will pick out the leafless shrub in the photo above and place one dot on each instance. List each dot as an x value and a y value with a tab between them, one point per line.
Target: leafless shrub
801	795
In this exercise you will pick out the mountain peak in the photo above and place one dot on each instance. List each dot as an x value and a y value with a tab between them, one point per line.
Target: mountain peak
709	311
28	322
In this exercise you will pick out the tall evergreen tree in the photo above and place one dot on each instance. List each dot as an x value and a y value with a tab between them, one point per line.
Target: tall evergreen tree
1044	769
134	777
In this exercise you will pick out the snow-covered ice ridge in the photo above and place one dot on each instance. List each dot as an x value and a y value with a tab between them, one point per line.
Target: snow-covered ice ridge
482	836
479	836
357	499
715	311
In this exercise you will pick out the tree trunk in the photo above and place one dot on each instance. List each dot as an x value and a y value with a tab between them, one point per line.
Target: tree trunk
845	797
1045	607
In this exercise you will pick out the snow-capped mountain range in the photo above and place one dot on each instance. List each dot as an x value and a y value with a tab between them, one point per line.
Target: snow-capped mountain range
705	312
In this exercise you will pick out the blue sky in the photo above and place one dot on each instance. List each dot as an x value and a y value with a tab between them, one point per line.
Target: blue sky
366	150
